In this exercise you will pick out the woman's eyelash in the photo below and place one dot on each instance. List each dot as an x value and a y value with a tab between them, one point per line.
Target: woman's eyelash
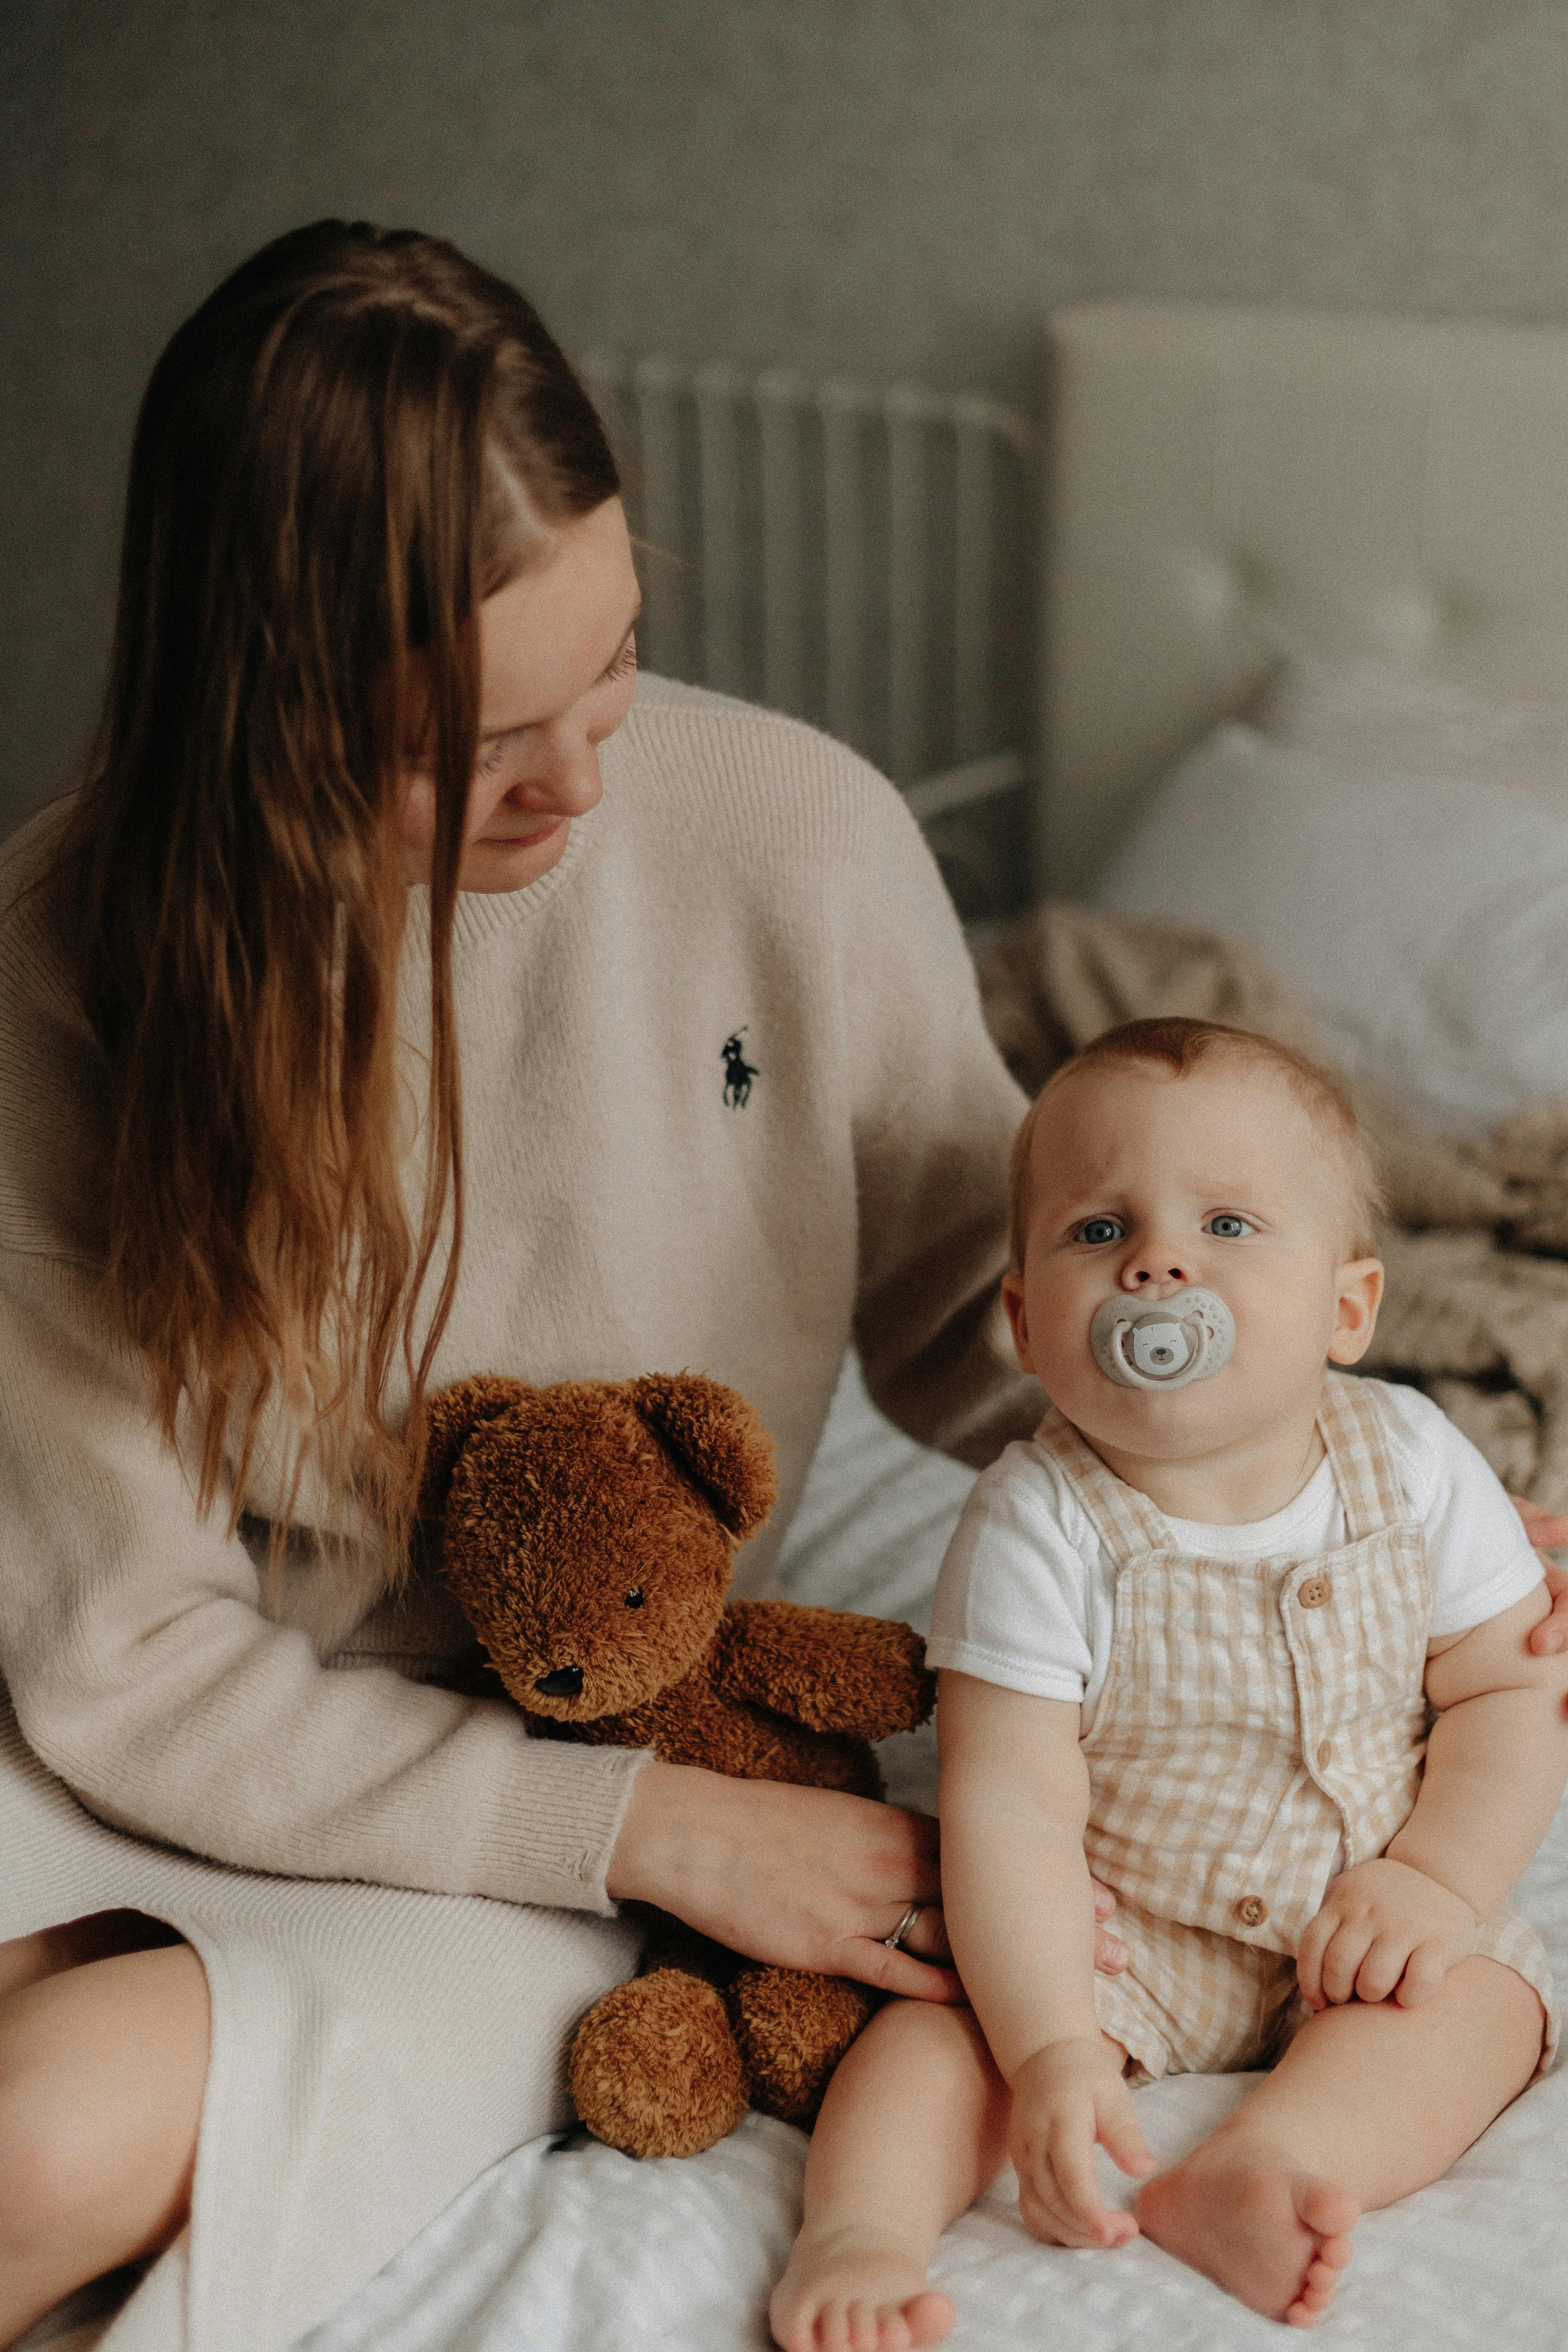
623	666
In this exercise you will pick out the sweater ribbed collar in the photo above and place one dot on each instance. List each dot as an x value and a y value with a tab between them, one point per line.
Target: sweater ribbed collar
484	915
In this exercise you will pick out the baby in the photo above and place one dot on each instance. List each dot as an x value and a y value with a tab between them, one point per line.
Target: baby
1190	1636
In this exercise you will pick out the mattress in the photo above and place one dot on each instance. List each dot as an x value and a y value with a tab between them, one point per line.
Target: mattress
566	2246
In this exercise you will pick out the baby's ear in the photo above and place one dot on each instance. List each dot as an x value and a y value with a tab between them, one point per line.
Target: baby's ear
718	1439
451	1416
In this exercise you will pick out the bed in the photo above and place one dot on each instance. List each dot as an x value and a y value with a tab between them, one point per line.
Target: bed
1381	508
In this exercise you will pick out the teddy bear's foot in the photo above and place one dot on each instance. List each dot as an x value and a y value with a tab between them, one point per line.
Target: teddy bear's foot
655	2069
793	2027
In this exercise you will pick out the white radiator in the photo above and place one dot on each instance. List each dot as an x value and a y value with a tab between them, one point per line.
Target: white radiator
856	558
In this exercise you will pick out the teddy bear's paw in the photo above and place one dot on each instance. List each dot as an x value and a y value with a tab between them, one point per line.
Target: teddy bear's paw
655	2070
793	2027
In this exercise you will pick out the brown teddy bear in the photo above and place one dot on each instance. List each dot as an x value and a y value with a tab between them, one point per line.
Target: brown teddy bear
588	1532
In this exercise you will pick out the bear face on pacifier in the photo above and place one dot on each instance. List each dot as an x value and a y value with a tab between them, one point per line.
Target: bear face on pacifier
1164	1344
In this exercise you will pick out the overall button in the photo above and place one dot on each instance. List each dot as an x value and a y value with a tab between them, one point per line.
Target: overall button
1252	1910
1313	1592
1325	1754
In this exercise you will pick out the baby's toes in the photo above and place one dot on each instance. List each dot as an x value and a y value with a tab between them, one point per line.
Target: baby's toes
1331	2213
1317	2292
862	2327
875	2327
928	2317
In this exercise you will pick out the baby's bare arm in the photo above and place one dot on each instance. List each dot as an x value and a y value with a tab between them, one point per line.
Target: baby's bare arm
1496	1765
1496	1761
1016	1886
1020	1908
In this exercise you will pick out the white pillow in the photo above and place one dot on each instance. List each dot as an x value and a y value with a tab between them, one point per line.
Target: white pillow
1424	920
1370	713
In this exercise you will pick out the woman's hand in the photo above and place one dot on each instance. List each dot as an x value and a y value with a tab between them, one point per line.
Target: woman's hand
804	1878
1547	1532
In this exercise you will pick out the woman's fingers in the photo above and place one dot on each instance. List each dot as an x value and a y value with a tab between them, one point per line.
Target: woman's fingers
805	1878
1104	1901
926	1936
901	1972
1551	1636
1547	1530
1110	1954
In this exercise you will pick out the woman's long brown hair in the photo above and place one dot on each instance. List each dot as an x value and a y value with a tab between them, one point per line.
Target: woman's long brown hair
356	438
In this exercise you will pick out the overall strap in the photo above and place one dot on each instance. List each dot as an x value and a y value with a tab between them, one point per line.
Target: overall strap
1125	1521
1353	1431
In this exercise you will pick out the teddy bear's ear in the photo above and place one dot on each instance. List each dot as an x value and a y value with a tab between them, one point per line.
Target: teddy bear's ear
451	1416
718	1438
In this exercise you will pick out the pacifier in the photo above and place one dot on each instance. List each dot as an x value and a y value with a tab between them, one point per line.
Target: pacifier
1165	1344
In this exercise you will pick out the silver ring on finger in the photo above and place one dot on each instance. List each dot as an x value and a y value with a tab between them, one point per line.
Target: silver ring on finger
895	1942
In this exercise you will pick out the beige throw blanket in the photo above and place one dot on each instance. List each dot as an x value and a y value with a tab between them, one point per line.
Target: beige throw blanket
1477	1305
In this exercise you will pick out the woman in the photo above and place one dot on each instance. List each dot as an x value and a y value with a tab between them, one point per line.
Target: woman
352	1043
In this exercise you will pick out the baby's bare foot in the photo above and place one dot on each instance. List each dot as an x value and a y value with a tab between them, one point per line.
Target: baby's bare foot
1273	2236
844	2293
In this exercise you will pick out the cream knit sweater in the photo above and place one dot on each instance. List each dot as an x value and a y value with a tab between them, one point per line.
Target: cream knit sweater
748	892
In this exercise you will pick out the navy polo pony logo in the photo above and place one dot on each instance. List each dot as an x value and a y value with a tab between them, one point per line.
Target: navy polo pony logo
738	1072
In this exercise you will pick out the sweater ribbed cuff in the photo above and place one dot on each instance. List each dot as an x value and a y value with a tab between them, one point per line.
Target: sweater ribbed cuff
550	1833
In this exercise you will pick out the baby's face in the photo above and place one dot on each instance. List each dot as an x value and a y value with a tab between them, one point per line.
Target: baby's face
1146	1183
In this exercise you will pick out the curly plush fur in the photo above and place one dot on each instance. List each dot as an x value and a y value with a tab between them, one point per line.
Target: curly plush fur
588	1532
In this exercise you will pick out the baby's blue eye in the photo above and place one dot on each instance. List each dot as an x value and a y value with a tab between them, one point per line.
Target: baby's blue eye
1228	1228
1099	1230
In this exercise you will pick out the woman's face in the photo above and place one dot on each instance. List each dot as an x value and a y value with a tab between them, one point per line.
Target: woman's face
557	666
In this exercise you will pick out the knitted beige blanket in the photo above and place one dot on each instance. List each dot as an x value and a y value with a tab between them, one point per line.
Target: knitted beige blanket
1477	1243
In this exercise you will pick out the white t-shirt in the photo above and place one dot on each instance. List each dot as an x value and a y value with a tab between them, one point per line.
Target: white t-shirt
1027	1594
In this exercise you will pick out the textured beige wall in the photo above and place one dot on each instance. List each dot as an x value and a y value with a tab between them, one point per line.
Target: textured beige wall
887	186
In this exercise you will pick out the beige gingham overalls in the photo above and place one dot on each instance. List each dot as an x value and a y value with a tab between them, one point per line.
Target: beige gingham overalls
1255	1715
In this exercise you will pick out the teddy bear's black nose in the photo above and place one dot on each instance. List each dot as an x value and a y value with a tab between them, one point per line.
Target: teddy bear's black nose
565	1682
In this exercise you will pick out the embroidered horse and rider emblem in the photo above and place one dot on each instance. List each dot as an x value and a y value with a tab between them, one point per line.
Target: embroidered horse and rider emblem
738	1072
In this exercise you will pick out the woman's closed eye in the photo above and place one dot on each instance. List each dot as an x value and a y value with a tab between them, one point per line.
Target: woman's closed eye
623	665
1227	1226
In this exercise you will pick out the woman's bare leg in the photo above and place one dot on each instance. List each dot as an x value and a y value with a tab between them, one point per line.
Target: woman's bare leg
913	2127
1370	2103
103	2067
28	1959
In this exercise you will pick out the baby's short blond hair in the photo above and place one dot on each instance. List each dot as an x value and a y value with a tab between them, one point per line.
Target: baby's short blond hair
1179	1045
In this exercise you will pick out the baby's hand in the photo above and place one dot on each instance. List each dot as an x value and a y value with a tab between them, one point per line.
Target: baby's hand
1067	2097
1383	1928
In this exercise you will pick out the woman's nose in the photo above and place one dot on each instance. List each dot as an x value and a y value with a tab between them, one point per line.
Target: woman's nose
569	784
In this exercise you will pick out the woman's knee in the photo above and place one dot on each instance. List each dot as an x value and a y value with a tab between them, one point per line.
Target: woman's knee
27	1959
102	2073
47	2180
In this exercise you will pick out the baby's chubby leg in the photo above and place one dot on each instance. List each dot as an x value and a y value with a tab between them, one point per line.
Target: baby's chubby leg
913	2127
1370	2103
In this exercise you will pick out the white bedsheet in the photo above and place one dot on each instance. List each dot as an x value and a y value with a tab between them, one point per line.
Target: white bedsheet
576	2249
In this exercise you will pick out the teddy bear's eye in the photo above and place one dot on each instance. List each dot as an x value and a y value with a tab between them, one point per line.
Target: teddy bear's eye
634	1597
